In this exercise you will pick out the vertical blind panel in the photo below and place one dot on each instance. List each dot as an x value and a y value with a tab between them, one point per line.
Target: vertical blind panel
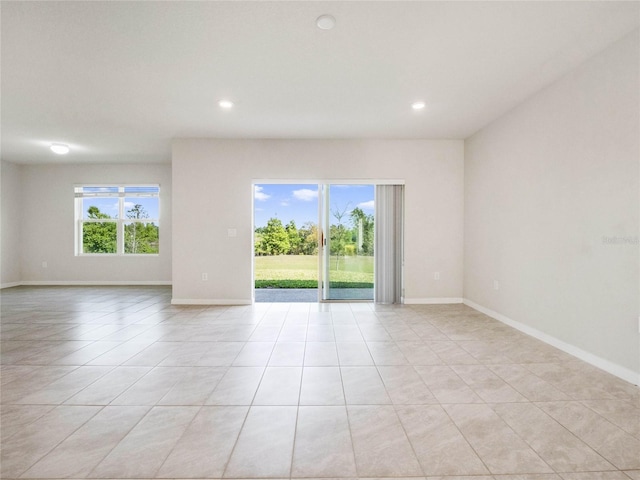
389	243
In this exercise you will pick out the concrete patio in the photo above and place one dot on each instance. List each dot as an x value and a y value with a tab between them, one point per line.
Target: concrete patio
301	295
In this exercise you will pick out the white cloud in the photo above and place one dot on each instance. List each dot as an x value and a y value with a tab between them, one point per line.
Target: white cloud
260	195
366	205
284	203
305	194
129	204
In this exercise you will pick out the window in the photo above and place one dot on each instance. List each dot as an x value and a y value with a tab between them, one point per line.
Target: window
117	219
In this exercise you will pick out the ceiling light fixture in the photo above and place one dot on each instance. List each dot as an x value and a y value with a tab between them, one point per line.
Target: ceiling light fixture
325	22
60	148
418	105
226	104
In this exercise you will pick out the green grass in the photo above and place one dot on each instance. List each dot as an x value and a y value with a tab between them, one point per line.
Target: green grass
301	271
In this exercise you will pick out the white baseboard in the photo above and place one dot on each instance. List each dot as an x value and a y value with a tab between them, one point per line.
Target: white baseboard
211	301
106	283
601	363
432	300
10	284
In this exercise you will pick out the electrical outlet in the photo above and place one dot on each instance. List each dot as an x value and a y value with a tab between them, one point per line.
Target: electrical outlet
205	277
45	264
232	232
436	275
496	285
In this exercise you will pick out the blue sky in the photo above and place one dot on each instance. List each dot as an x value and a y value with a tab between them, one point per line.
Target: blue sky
299	202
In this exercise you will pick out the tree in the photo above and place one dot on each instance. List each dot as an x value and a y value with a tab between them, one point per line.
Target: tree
140	237
94	212
257	244
275	240
363	225
99	237
338	234
131	239
294	238
309	239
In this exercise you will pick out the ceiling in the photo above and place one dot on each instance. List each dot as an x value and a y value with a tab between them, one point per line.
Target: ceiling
117	81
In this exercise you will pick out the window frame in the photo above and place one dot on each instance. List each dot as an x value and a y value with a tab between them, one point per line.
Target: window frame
120	221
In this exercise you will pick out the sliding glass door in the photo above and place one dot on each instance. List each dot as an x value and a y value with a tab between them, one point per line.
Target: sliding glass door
347	222
328	242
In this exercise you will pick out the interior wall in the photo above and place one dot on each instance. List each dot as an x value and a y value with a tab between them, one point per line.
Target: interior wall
552	208
10	273
48	226
212	185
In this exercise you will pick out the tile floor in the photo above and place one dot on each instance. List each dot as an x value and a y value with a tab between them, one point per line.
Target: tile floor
115	382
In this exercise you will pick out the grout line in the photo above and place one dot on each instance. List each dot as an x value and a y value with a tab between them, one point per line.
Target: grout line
188	317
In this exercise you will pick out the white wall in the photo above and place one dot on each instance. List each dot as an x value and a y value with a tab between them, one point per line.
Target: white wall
48	226
10	247
544	185
212	186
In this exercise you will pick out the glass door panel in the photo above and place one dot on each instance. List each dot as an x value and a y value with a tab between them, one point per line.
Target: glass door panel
347	253
285	242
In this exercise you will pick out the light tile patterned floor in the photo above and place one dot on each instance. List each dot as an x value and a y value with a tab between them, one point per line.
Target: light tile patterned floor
115	382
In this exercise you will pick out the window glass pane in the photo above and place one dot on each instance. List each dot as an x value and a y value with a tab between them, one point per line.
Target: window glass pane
118	219
141	237
100	189
99	207
149	191
97	191
141	207
99	237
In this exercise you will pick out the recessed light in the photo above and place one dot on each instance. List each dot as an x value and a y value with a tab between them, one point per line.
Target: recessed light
227	104
418	105
60	148
325	22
